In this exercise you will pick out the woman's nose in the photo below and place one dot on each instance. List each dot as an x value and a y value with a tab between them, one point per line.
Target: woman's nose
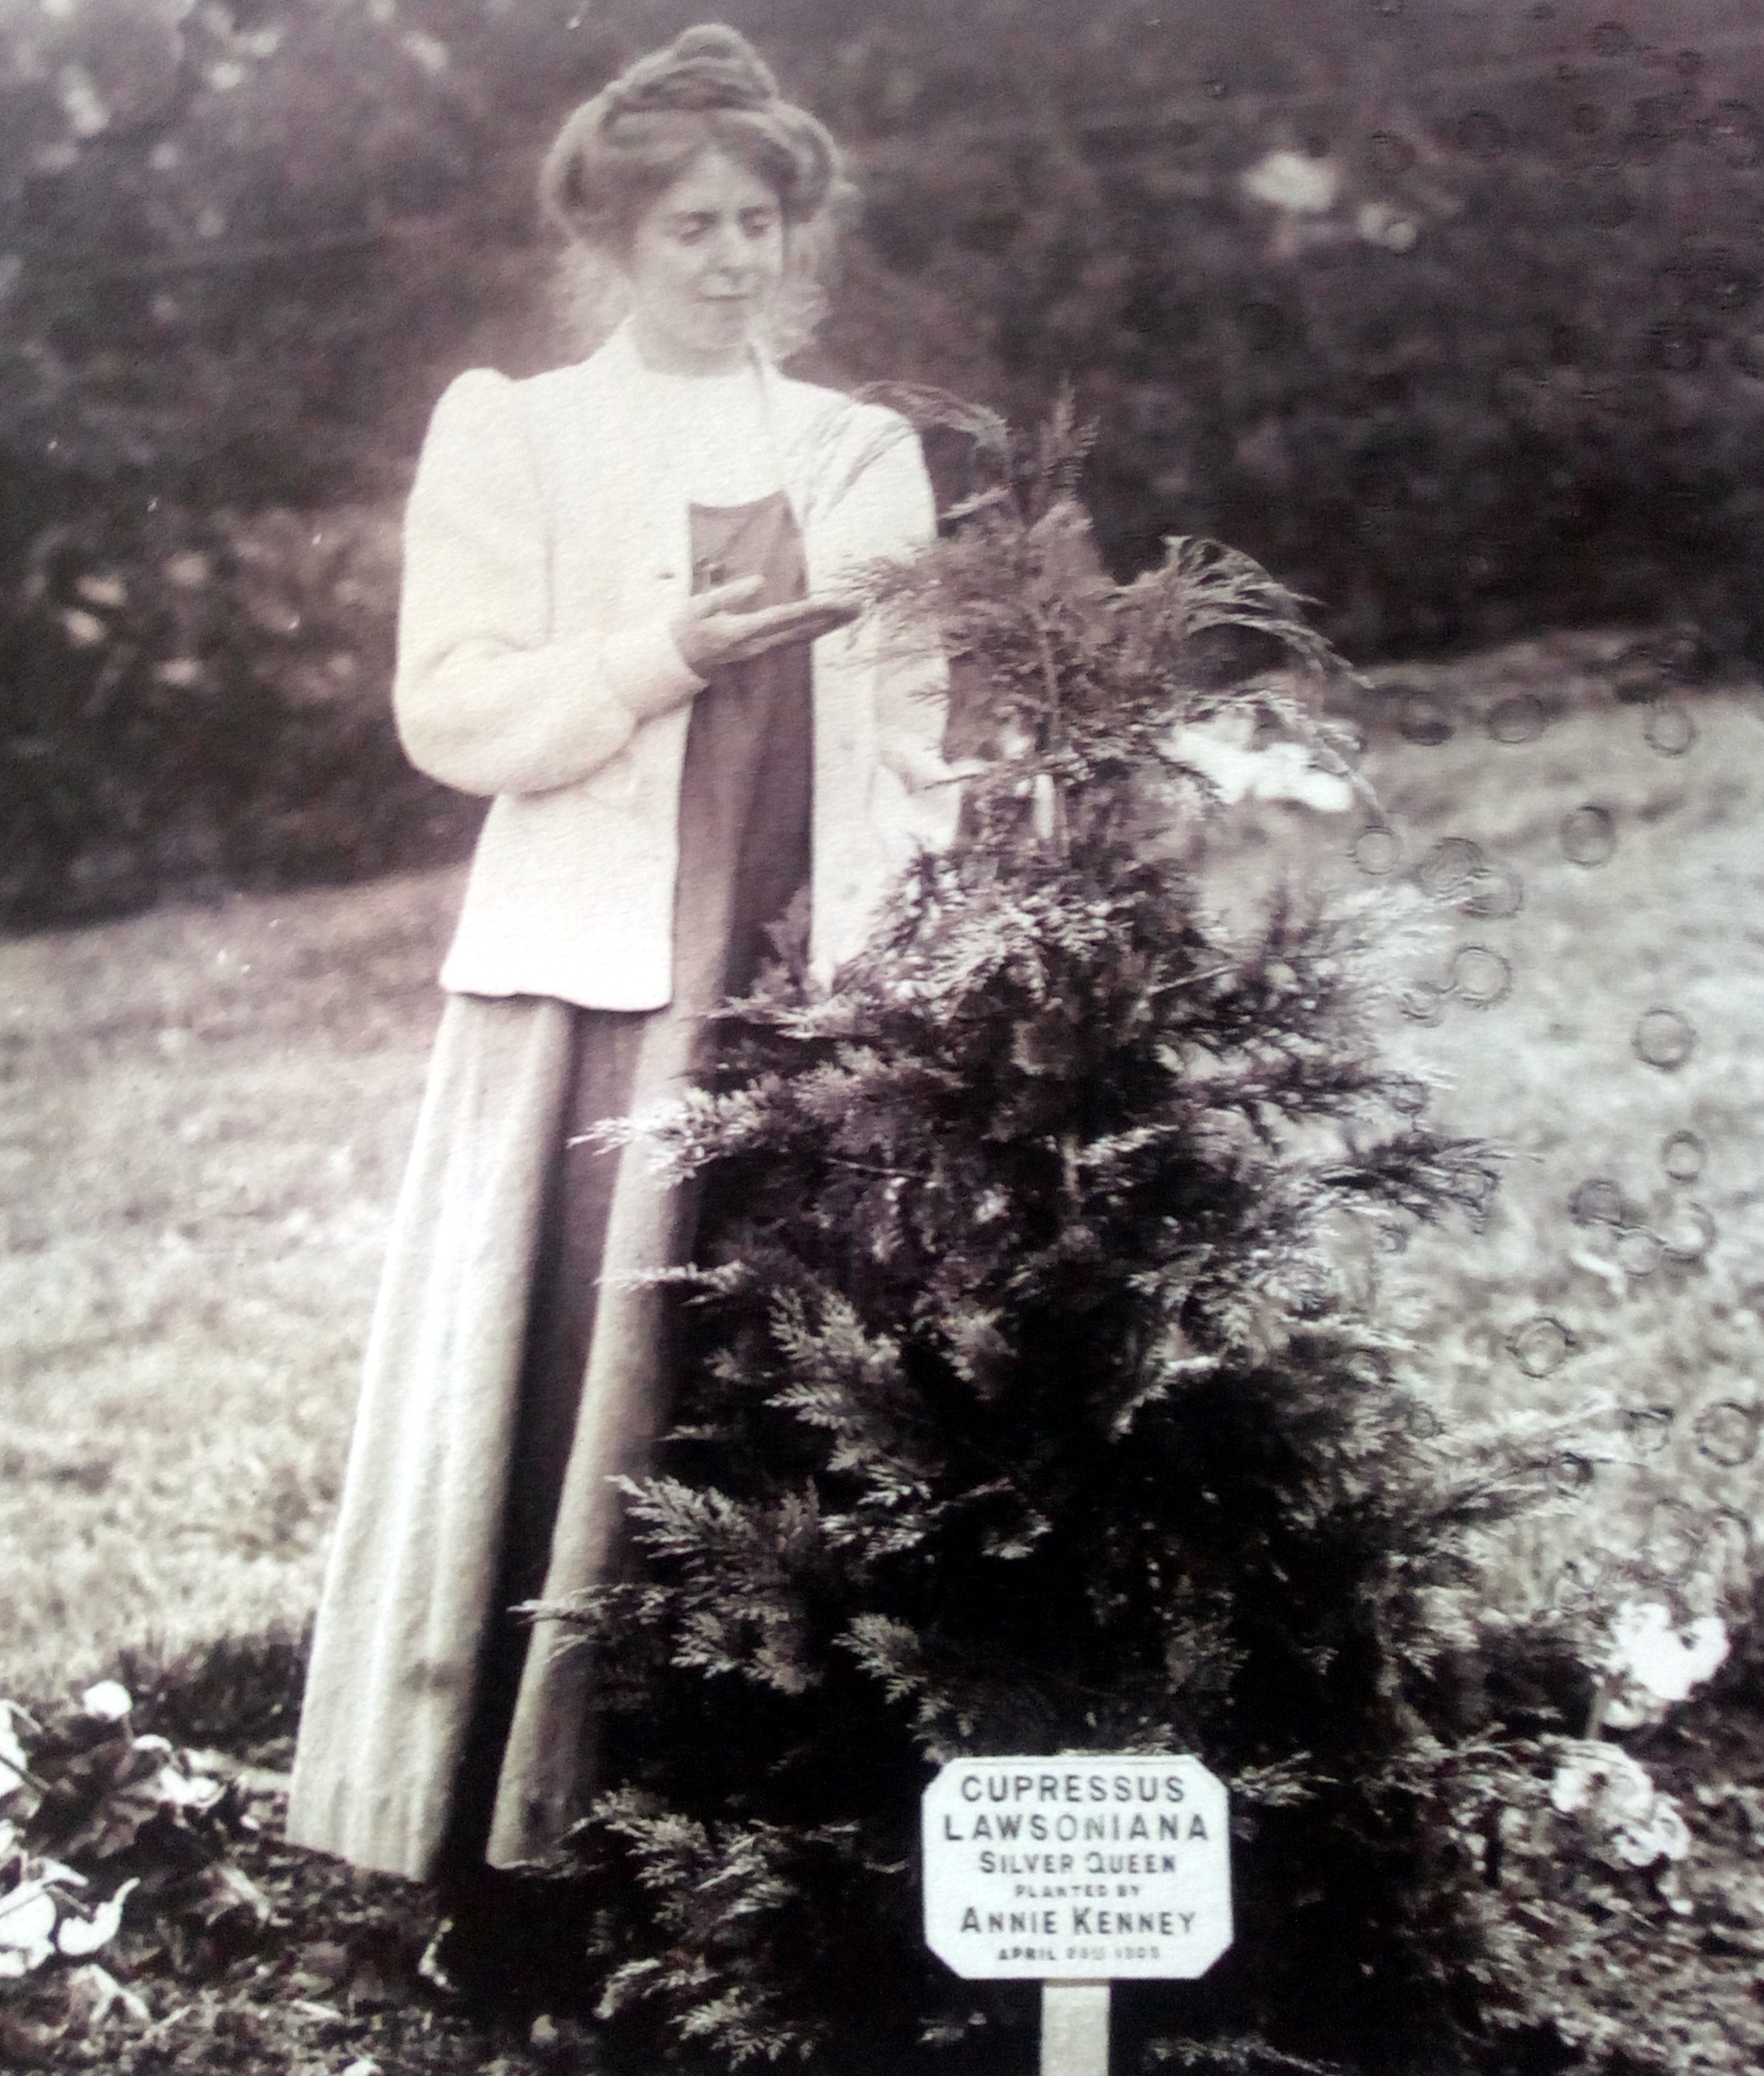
729	250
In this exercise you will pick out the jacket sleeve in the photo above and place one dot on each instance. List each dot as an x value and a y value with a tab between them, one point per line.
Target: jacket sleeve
487	699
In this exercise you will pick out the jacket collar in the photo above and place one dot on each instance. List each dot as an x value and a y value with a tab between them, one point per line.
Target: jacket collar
805	422
617	360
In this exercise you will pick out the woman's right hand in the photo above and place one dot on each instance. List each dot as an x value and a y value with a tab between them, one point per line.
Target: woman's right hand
711	630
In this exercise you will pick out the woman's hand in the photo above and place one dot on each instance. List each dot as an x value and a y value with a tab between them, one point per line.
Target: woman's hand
711	630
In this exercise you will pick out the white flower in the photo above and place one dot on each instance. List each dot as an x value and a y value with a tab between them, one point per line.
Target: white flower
1616	1796
189	571
27	1915
1220	749
1292	181
85	629
1663	1835
1603	1781
77	1937
171	1786
102	1993
1653	1663
85	106
1378	224
110	1701
430	53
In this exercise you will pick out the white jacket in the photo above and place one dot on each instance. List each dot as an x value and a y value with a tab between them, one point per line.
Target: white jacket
545	551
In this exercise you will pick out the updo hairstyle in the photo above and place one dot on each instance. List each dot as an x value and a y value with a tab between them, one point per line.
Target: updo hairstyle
708	90
619	152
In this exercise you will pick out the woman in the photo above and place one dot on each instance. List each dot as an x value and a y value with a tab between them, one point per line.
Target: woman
622	618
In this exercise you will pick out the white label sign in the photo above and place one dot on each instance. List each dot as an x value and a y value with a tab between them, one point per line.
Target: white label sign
1077	1868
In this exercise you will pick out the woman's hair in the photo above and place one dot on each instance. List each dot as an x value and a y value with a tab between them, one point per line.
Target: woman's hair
708	90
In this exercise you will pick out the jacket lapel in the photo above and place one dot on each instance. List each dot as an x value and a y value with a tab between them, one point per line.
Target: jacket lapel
623	534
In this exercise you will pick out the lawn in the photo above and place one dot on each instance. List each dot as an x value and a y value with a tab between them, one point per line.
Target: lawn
203	1113
1623	1266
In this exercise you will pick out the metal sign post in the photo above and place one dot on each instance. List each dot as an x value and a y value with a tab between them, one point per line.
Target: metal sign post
1077	1870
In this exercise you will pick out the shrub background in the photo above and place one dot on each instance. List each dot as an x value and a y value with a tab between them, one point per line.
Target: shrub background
1503	367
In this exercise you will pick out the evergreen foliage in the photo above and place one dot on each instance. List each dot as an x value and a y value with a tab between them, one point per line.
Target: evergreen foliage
195	700
1031	1400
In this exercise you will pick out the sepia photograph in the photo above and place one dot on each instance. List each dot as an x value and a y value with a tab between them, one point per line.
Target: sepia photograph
881	1037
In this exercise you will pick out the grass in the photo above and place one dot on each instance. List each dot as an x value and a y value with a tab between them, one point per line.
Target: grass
1654	1366
1667	1354
203	1114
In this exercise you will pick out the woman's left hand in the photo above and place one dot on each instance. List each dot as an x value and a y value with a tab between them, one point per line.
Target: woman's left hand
710	631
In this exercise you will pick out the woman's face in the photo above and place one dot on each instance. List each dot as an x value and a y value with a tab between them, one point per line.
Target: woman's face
704	261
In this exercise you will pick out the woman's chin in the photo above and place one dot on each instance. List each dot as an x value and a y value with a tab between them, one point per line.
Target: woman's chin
713	343
726	330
